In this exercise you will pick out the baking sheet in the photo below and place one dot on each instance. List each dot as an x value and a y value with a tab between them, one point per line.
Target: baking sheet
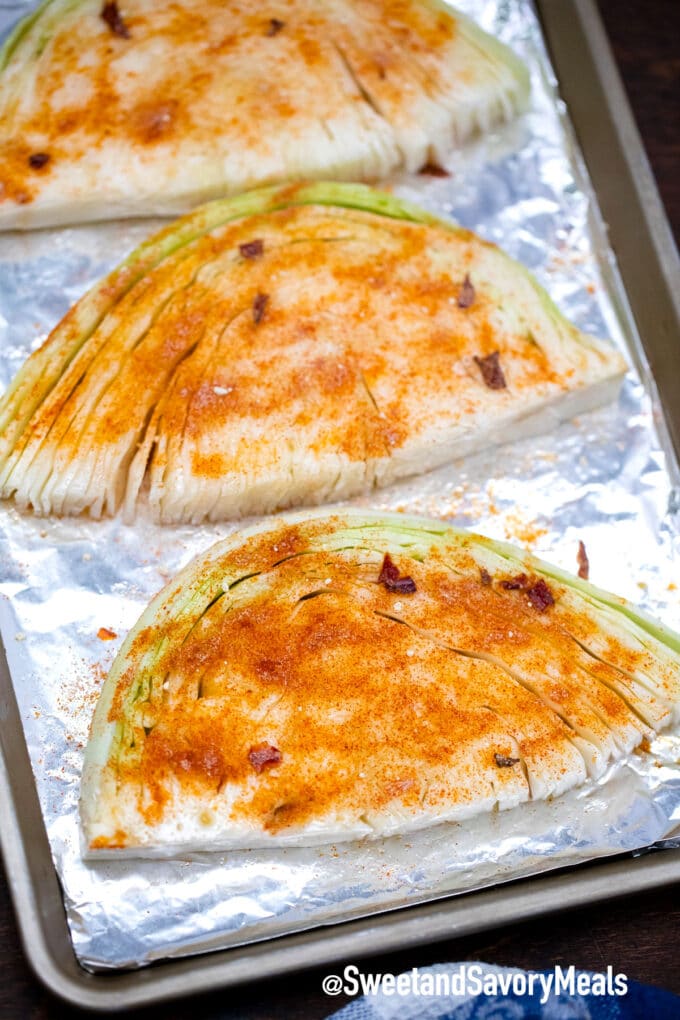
604	479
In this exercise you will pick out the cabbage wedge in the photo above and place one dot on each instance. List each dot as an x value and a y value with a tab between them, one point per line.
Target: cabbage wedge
139	108
290	346
338	676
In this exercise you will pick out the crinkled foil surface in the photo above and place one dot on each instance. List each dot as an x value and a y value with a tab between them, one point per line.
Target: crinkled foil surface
604	479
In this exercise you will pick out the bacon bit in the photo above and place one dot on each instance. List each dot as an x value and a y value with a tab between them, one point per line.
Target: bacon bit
264	756
37	160
432	170
503	762
540	596
485	576
582	560
260	302
491	370
156	120
467	293
274	27
399	786
393	581
104	634
251	249
112	16
515	583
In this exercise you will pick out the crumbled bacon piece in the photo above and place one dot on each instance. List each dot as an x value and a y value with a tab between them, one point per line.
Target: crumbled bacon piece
264	756
491	370
515	583
37	160
466	294
433	170
400	786
251	249
485	576
274	27
104	634
156	120
393	581
540	596
503	762
112	16
583	563
260	302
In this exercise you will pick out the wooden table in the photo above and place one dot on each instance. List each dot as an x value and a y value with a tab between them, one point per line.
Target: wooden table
638	935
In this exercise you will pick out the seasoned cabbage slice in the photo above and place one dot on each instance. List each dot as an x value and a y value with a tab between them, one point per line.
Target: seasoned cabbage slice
345	675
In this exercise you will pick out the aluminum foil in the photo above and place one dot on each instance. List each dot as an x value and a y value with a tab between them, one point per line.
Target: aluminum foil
606	479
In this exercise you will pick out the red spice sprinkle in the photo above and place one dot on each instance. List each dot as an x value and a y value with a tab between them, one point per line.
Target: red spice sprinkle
466	295
251	249
112	16
583	563
104	634
274	27
491	370
393	581
37	160
503	762
432	170
264	756
485	576
540	596
514	583
260	302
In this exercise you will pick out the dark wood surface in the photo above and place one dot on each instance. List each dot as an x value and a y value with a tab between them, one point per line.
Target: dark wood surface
645	38
637	935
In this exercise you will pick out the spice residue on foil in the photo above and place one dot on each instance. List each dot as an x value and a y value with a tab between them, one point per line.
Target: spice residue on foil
602	480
